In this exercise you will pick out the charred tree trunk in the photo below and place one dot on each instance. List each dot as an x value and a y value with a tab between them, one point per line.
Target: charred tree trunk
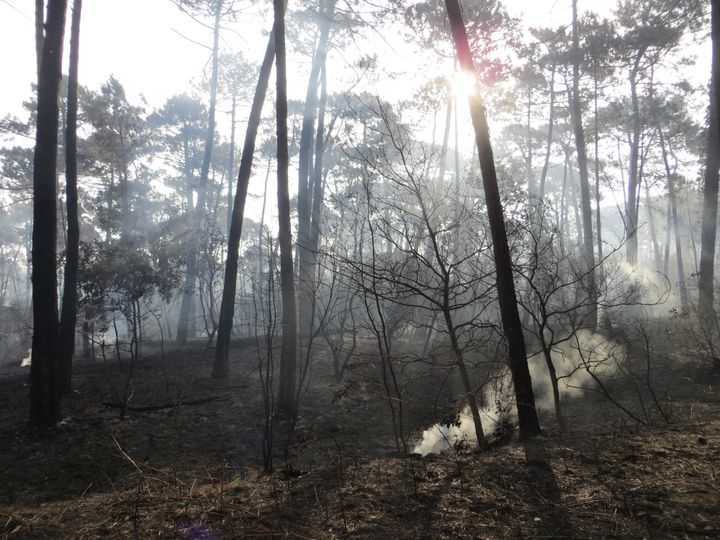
44	397
288	352
710	193
527	414
227	304
68	316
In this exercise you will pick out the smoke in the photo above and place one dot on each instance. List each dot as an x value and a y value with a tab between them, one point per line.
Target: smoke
571	360
645	286
441	437
497	409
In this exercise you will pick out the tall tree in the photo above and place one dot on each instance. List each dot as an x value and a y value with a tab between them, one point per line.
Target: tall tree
227	305
198	215
39	32
706	281
68	313
288	352
234	70
581	150
44	397
305	188
650	29
525	399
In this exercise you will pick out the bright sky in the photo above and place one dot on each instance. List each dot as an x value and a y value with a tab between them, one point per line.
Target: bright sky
139	42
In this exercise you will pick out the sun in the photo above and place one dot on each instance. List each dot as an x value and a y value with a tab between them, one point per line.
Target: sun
463	84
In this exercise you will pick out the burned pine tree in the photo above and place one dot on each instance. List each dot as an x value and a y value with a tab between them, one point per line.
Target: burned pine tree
44	396
527	414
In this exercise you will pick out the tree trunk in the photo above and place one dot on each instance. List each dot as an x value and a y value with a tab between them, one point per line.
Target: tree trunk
288	352
318	182
668	229
548	149
68	315
227	304
633	177
199	213
672	195
306	280
710	193
653	230
231	158
44	397
598	218
527	414
588	240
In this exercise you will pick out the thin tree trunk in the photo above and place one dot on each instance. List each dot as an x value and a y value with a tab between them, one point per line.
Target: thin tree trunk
231	158
39	32
633	178
588	240
227	304
551	124
598	218
672	195
199	213
653	230
527	414
288	351
668	233
44	397
305	258
68	315
691	231
318	175
706	285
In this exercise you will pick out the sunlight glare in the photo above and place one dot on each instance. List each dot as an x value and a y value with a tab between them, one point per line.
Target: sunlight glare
463	84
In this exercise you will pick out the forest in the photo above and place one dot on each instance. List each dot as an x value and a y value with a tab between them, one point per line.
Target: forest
397	269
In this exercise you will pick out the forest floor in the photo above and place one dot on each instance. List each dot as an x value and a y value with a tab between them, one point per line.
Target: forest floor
187	463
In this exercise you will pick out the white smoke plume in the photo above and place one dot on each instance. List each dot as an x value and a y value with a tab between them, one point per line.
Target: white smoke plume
570	358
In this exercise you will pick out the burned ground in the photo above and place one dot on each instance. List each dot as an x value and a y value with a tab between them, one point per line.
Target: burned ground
185	462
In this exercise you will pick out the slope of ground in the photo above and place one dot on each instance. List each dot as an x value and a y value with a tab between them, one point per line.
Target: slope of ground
186	463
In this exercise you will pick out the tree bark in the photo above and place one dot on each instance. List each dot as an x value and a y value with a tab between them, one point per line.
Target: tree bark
227	304
527	414
706	283
68	316
44	397
288	349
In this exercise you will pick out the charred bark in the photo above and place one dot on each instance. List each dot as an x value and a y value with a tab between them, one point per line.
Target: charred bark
525	399
227	304
288	352
706	283
68	316
44	397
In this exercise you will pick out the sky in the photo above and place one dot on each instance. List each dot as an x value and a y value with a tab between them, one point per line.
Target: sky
148	44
